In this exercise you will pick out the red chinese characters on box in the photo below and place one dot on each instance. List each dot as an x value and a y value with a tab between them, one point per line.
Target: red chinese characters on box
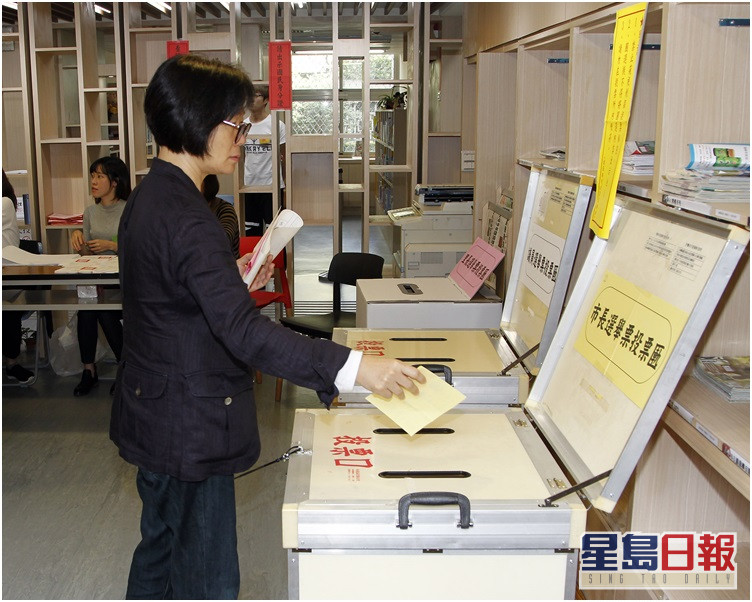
370	347
280	76
352	451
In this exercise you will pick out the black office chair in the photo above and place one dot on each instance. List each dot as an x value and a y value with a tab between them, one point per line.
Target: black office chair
345	268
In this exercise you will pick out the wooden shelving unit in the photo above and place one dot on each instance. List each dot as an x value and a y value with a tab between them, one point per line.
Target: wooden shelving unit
145	49
18	150
442	98
78	96
545	84
390	136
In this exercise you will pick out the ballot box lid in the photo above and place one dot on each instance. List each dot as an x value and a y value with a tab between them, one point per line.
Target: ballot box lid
553	215
635	316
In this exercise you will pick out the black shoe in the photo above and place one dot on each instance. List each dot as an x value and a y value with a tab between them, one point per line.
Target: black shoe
21	374
88	380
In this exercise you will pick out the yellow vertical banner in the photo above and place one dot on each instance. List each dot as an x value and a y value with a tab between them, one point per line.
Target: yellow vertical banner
626	52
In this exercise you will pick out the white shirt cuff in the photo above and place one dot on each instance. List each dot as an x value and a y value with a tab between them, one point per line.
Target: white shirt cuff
345	380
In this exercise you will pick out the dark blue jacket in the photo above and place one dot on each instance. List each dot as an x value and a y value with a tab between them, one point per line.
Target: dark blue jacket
185	404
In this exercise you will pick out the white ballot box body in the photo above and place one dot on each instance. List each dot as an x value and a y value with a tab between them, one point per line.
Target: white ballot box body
341	525
423	303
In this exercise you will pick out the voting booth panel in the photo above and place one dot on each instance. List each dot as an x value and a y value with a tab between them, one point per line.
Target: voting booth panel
555	207
482	483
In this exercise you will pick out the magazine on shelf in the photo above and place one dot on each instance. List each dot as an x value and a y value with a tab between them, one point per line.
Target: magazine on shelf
718	156
639	157
284	226
727	375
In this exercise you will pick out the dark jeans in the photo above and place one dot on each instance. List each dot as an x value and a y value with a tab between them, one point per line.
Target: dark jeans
189	546
87	333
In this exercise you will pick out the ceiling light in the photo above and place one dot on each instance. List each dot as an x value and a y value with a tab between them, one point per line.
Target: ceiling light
162	6
11	5
101	10
226	6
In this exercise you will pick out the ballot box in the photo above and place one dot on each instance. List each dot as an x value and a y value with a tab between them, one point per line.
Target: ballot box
423	303
552	217
491	502
479	363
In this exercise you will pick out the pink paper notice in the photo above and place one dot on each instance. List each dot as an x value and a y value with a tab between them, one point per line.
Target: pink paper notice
475	266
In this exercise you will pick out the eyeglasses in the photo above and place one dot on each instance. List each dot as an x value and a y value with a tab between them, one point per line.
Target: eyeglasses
242	129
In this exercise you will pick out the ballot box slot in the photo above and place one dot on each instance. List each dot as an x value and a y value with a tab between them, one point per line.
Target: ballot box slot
424	474
425	431
423	360
419	339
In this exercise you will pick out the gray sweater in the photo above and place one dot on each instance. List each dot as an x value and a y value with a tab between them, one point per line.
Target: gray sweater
102	222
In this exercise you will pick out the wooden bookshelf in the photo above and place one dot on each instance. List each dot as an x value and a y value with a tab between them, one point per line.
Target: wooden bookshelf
18	149
78	102
529	98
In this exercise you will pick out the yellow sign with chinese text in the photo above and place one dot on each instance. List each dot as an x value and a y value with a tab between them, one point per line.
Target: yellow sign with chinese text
626	52
629	336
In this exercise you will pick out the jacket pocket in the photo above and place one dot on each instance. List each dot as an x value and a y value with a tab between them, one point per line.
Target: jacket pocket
145	411
221	415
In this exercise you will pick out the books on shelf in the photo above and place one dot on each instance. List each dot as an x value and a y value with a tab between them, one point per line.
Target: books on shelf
719	156
639	157
727	375
732	454
714	183
65	219
22	209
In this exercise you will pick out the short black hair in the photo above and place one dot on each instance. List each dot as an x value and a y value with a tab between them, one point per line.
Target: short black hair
189	96
117	171
210	187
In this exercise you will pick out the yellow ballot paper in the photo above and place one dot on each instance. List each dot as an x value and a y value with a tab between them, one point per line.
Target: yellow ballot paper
414	412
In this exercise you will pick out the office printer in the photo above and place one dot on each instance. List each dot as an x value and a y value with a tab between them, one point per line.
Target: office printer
436	231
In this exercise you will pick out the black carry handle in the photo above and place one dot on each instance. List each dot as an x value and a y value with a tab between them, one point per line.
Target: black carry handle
438	369
434	498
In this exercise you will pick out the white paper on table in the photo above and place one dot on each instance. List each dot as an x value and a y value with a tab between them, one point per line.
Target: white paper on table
91	264
15	256
414	412
276	237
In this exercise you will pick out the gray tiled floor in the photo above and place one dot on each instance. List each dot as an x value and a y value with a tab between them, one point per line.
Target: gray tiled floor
70	506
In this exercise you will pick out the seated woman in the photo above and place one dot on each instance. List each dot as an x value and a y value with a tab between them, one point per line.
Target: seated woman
12	319
110	187
224	211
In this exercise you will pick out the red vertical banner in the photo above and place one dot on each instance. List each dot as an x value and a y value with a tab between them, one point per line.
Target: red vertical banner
176	47
280	76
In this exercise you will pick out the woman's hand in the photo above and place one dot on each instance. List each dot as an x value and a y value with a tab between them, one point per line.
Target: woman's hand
77	240
98	245
387	377
264	274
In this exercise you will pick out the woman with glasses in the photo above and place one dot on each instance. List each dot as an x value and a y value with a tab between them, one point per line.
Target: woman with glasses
184	412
